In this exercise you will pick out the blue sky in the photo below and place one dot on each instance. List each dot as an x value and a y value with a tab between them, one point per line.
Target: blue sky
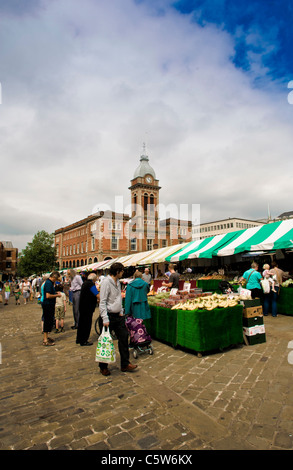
84	84
268	20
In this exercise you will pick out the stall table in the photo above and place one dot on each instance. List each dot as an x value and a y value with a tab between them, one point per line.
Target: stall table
209	285
285	301
197	330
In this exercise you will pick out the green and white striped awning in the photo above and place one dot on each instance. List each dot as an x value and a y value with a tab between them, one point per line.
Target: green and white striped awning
275	236
201	248
267	237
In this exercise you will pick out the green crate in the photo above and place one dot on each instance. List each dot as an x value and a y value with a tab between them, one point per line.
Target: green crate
203	330
163	324
285	301
252	321
256	339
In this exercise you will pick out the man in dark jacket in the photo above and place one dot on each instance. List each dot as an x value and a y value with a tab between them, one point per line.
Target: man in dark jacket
89	295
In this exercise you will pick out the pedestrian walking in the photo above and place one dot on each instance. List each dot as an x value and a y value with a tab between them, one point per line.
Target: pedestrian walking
17	293
48	306
60	309
89	296
6	292
26	290
76	283
111	316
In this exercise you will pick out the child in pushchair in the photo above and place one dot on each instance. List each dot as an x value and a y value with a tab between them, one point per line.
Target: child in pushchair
225	287
140	340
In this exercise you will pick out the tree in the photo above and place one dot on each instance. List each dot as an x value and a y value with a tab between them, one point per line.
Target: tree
39	256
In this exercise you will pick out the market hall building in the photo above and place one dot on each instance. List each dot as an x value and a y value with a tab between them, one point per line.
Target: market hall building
106	235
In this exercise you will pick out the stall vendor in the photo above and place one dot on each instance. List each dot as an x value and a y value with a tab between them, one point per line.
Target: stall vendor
173	282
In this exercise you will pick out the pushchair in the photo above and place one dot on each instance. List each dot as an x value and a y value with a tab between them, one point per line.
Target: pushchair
225	287
140	340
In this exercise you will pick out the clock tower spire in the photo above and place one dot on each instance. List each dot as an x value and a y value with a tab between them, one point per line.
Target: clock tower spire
144	206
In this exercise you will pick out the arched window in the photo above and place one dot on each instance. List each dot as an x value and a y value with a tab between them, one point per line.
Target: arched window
145	201
152	203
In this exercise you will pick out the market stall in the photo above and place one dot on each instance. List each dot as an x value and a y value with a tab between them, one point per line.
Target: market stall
196	321
285	298
267	237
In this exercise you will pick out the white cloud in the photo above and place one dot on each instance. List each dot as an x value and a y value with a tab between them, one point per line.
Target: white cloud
86	83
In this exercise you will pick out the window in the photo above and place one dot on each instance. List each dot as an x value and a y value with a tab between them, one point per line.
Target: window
149	244
164	243
115	226
114	243
152	203
145	202
93	243
133	244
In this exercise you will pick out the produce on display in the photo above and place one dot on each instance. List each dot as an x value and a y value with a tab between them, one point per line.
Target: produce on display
207	303
288	283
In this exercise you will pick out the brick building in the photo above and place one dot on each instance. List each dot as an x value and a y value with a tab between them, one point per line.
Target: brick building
106	235
8	260
98	237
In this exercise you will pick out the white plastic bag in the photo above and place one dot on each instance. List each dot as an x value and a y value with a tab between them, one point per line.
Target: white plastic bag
105	351
265	286
245	294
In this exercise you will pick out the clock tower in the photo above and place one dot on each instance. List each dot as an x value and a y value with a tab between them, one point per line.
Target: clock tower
144	207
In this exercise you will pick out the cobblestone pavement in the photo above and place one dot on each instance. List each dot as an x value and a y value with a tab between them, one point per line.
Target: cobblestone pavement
55	398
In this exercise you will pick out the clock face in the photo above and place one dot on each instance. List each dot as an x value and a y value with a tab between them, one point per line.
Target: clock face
149	179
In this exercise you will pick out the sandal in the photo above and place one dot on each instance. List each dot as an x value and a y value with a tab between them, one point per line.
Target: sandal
48	343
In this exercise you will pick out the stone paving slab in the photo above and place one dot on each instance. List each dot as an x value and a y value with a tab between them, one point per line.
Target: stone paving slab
55	398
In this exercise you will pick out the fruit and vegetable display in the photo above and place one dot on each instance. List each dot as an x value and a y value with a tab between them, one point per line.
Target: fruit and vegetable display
193	300
209	302
288	283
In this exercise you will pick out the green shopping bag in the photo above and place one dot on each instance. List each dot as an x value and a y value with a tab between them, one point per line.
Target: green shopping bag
105	351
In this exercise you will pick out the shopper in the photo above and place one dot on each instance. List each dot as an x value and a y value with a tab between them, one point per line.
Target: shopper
89	295
111	316
147	277
136	301
76	283
60	309
272	298
253	278
48	306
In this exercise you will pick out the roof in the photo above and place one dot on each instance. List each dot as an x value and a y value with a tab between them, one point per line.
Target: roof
144	168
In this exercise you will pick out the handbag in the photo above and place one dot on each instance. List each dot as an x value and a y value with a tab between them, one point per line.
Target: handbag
105	351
